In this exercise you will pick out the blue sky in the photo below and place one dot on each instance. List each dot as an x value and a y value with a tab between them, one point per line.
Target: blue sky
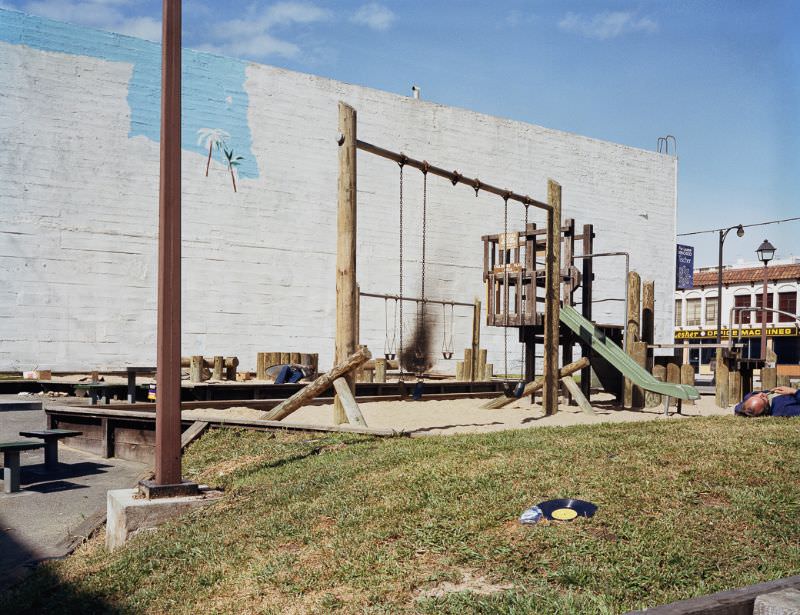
723	76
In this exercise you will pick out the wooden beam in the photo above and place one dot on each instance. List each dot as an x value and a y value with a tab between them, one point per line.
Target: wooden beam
577	394
648	319
537	384
194	431
346	226
319	385
552	308
454	176
348	402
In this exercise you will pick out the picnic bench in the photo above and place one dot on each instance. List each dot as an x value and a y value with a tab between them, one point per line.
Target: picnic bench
96	390
11	451
51	438
132	371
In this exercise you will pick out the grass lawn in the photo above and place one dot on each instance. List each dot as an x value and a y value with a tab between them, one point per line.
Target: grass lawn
320	523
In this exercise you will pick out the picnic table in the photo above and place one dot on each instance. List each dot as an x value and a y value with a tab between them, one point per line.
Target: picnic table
51	438
11	451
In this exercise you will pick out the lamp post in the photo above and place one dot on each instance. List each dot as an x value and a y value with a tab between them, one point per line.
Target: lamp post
723	233
765	253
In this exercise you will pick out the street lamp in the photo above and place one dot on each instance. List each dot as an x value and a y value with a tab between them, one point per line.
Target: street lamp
723	233
765	253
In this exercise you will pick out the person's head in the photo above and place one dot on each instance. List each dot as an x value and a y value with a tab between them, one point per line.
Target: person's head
756	404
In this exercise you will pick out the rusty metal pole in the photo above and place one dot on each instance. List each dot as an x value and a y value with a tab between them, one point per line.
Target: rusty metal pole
168	401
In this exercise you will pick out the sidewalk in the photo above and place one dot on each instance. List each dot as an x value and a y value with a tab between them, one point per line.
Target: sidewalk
36	522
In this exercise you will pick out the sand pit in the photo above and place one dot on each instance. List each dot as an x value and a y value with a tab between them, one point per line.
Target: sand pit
441	417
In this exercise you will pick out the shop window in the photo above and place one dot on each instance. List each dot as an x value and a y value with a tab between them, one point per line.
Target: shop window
787	302
711	311
678	315
692	312
742	301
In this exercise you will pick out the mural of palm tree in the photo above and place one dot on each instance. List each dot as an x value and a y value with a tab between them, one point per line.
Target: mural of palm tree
233	161
211	138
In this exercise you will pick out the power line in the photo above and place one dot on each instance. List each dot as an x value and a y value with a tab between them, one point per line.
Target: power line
715	230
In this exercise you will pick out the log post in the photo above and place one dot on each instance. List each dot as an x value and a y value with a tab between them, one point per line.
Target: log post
480	373
286	358
488	372
380	370
261	368
652	400
272	358
474	373
639	354
631	330
231	364
535	385
319	385
349	402
346	232
468	365
687	377
673	376
460	371
648	319
219	366
196	368
735	392
721	377
552	307
577	394
769	378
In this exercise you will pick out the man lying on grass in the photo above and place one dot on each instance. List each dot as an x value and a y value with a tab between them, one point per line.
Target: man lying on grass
780	401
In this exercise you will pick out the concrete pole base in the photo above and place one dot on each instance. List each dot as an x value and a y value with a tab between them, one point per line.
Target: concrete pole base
128	513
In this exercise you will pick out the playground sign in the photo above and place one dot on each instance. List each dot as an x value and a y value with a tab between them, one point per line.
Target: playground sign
684	267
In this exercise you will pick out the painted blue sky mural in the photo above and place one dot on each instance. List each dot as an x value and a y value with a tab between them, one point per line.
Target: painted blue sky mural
213	86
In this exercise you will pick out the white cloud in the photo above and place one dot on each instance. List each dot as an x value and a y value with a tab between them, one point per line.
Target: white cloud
607	25
515	18
254	36
104	14
374	15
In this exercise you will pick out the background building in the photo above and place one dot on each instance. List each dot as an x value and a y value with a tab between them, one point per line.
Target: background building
742	286
79	127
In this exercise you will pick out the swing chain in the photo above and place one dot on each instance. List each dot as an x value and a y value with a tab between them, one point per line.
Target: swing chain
505	284
523	301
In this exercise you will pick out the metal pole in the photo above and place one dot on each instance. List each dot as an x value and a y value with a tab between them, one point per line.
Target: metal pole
168	400
764	317
719	288
417	299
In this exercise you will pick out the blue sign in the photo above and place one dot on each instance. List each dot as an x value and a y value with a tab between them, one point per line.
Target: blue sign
684	270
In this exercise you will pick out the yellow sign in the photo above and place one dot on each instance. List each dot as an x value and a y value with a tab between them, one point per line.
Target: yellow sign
752	332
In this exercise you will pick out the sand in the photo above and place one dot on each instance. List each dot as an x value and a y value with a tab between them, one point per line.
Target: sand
441	417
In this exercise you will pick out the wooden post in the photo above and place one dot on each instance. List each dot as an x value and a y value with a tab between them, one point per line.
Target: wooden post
721	378
480	373
231	363
219	366
648	319
735	392
687	377
380	370
586	303
460	371
488	372
196	369
631	330
474	373
286	358
346	227
294	358
769	378
653	400
673	376
261	369
272	358
168	354
639	354
577	394
319	385
468	365
552	308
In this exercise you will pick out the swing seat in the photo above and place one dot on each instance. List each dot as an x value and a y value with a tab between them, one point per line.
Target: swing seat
417	394
447	355
389	356
519	389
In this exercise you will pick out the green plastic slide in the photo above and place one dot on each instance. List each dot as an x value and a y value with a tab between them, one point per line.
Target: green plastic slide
620	359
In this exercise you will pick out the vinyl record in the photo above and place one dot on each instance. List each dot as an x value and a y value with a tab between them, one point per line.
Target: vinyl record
566	509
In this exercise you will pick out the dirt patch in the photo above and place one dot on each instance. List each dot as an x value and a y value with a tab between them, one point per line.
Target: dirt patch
470	582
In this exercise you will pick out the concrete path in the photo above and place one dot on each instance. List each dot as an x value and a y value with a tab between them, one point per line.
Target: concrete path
36	522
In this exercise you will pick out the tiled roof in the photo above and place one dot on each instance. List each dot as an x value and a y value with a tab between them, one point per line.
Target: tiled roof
747	275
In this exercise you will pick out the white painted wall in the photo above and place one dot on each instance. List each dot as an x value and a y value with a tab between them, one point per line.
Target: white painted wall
79	214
